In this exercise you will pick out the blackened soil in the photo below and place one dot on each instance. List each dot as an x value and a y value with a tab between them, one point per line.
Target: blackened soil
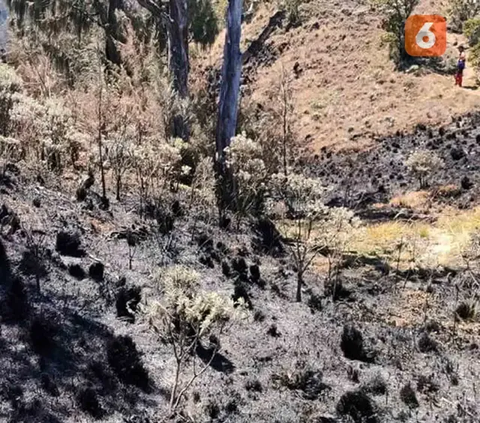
375	176
375	348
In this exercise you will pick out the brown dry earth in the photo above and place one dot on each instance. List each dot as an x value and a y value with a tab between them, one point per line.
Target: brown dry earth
347	90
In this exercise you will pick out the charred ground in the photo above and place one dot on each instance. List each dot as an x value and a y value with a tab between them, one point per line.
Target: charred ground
375	345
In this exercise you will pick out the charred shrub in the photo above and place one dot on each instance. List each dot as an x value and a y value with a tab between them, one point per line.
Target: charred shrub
255	273
88	401
49	385
32	263
273	331
466	310
12	392
125	361
241	292
232	405
268	239
98	373
259	316
127	301
16	306
304	378
5	271
408	396
376	386
204	241
212	409
352	345
253	385
427	384
163	216
315	302
358	406
426	344
226	269
30	411
42	334
69	244
207	261
96	271
239	265
353	374
177	209
337	290
77	271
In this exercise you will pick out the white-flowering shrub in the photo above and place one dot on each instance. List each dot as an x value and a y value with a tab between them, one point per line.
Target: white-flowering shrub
300	195
9	80
58	134
9	151
157	165
423	164
10	84
312	227
184	317
47	130
202	195
244	161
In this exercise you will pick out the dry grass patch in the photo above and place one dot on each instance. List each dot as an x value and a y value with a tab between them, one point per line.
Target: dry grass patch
415	200
428	245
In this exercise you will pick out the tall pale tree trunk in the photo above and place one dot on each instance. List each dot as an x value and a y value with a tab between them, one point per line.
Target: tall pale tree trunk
179	61
228	103
230	86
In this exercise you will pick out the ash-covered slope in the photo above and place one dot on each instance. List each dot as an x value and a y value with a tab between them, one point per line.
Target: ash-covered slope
368	347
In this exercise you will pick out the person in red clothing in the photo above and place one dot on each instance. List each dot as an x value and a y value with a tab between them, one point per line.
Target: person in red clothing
462	58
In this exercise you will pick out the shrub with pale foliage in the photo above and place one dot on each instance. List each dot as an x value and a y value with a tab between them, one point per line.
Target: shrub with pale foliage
423	164
186	316
244	160
460	11
10	84
202	196
184	307
301	196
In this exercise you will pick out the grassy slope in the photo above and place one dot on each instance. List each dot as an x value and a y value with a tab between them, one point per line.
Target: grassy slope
348	87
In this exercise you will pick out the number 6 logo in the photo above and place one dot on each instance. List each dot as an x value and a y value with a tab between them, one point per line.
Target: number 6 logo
426	35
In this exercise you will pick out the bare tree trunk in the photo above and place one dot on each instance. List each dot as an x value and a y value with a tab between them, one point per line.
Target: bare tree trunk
179	62
228	104
299	287
230	87
112	33
176	23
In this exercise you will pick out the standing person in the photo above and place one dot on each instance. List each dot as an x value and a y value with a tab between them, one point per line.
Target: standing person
462	58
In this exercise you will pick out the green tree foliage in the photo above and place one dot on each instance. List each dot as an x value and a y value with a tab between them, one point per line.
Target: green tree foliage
203	22
471	30
54	17
396	13
461	11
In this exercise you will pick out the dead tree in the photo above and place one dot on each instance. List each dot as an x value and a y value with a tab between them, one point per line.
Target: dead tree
179	62
228	103
176	23
112	33
230	86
